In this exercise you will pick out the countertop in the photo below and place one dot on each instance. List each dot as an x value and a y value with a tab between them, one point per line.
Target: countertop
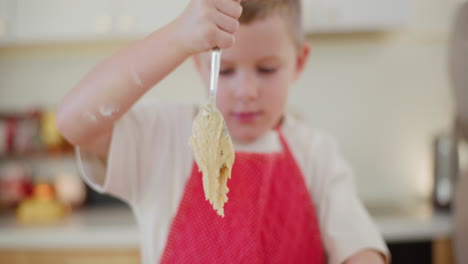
116	228
112	227
418	222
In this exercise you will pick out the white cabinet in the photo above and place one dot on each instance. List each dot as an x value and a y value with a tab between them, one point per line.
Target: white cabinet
50	21
141	17
62	20
6	19
354	15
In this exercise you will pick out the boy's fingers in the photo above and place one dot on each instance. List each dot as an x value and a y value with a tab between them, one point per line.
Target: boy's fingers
229	7
224	40
226	23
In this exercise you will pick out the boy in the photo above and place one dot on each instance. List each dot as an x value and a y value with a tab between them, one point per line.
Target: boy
291	197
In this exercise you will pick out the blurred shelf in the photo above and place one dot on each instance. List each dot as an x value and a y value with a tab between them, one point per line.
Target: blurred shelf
67	153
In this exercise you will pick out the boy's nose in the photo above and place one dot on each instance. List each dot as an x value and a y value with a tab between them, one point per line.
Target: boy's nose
246	88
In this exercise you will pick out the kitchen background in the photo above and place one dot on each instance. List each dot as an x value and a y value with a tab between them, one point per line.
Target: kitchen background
380	87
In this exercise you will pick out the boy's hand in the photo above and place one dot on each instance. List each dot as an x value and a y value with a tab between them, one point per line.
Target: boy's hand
366	257
206	24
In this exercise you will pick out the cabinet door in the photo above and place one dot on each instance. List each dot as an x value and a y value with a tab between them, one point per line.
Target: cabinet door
356	15
62	20
6	20
141	17
78	256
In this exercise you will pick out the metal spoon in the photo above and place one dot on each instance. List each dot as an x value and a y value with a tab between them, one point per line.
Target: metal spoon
215	64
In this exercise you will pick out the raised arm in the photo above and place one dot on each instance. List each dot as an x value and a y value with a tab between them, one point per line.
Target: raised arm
88	112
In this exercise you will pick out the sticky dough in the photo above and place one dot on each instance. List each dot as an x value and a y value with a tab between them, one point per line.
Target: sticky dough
214	154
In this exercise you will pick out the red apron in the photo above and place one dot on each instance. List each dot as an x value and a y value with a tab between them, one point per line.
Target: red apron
269	218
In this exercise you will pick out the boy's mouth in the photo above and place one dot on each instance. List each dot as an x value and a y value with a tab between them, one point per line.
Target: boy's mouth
246	117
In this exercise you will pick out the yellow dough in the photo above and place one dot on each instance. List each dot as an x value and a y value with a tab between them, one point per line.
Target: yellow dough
214	154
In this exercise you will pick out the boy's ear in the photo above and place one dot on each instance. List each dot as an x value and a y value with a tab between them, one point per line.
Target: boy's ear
301	60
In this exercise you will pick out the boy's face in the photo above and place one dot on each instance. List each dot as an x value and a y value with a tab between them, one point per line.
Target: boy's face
255	76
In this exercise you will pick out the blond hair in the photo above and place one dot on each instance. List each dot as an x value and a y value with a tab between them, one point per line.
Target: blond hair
290	10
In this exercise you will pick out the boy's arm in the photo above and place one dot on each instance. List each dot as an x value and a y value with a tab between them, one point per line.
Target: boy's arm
348	232
88	112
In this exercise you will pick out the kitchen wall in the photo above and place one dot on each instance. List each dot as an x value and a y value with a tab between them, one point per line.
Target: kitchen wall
384	96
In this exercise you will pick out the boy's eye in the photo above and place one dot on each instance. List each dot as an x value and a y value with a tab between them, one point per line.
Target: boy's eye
266	70
226	71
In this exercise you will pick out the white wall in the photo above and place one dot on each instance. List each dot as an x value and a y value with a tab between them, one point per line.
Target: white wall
384	96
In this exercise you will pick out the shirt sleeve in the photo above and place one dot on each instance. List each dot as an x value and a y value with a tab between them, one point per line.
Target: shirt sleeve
141	162
346	226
